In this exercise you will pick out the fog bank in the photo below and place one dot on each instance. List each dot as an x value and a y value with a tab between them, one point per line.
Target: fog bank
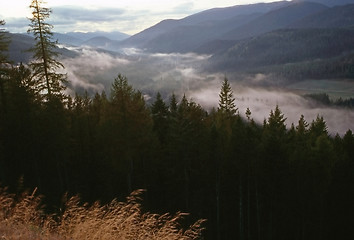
261	101
94	70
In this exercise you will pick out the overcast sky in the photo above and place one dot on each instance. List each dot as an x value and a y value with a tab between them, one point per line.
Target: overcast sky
128	16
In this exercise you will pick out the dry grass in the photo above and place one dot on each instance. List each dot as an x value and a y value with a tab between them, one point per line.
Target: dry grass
23	218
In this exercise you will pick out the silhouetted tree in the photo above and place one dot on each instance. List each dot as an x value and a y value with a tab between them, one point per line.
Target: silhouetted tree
4	44
160	116
44	64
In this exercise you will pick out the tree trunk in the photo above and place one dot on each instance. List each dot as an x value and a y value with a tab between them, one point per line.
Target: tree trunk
130	175
217	186
241	208
43	50
258	211
186	187
248	206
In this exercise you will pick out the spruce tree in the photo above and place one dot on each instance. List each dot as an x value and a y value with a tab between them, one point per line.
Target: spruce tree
44	64
227	101
160	114
4	44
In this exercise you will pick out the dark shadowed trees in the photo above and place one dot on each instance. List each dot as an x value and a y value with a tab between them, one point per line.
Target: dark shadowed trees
160	116
125	134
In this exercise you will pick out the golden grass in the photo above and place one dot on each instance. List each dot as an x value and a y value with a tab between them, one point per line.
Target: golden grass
23	218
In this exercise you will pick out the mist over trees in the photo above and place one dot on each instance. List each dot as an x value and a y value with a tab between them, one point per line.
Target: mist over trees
248	180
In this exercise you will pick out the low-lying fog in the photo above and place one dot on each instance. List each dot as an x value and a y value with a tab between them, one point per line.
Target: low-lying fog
94	71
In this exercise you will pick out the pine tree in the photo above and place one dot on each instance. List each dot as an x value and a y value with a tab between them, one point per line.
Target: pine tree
44	64
302	127
227	101
276	120
4	44
173	104
318	127
160	114
248	114
126	130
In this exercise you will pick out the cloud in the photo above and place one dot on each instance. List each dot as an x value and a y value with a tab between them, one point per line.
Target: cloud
95	71
17	24
73	18
86	70
76	14
128	20
261	101
184	8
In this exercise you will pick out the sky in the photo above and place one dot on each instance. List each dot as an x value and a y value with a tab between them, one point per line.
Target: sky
128	16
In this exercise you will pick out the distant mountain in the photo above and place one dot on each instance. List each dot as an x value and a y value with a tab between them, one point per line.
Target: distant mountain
286	46
100	42
193	33
187	38
67	39
279	18
330	3
18	47
339	16
212	20
21	43
220	14
257	37
90	38
84	36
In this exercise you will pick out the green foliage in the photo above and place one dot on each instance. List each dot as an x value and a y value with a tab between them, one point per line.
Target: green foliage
44	64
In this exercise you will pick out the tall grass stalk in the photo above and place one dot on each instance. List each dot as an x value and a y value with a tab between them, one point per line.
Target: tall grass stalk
23	217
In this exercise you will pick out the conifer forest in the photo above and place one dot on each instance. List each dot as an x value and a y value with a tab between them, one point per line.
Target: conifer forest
246	180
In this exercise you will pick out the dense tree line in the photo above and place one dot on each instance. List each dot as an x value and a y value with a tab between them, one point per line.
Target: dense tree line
323	98
249	180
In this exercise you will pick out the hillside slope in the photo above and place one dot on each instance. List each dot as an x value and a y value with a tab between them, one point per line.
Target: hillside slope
339	16
210	22
276	19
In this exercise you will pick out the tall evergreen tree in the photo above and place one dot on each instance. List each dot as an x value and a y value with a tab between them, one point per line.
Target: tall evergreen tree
227	101
44	64
4	44
125	134
160	114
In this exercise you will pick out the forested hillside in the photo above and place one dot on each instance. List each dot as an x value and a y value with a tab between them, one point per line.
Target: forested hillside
294	53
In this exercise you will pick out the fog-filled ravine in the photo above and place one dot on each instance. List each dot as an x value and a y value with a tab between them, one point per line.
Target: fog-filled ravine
272	53
93	70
